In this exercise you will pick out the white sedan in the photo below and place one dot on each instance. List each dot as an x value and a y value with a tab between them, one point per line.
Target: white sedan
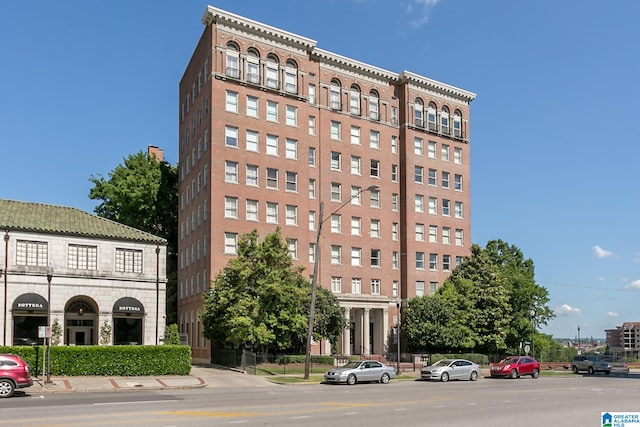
360	371
451	369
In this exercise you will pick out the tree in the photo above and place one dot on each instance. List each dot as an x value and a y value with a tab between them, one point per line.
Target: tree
329	321
171	335
143	193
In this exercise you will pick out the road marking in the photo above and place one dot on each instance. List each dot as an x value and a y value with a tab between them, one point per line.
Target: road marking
133	403
400	409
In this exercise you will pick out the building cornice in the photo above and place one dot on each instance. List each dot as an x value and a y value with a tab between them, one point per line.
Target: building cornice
436	86
351	64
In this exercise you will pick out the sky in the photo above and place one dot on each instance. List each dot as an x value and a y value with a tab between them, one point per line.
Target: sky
86	83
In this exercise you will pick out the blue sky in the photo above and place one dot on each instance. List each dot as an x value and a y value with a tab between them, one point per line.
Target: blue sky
83	84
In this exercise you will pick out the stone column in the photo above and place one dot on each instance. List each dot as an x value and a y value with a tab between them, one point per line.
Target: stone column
346	333
365	335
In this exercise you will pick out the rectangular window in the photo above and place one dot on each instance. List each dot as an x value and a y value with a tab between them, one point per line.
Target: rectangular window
231	102
272	145
252	175
336	254
433	206
356	226
446	262
312	220
459	260
374	139
432	176
252	141
252	210
446	207
356	257
418	147
231	171
433	262
432	150
291	215
375	286
230	243
394	202
312	188
394	144
128	260
374	230
292	116
336	192
335	130
419	232
375	257
458	210
355	165
355	135
445	179
292	181
356	285
272	111
354	103
375	168
418	174
433	234
312	94
31	253
419	288
291	149
336	284
292	248
312	156
394	231
457	182
419	203
394	173
420	260
394	260
312	125
231	136
446	235
312	253
374	199
336	159
252	106
394	292
457	156
356	195
444	152
433	287
272	213
230	207
336	223
272	178
82	257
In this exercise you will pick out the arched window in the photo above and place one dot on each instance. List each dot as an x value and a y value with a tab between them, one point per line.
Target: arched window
272	72
354	100
457	124
419	113
444	120
334	95
374	105
431	117
253	66
232	65
291	77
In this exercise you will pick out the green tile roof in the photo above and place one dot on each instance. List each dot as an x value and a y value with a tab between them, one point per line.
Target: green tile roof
51	219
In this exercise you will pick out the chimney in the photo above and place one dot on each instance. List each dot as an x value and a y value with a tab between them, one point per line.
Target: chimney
153	151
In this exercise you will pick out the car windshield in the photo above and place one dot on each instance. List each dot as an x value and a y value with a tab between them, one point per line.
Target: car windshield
443	362
351	365
509	361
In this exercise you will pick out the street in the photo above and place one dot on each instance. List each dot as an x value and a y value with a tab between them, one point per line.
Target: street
546	401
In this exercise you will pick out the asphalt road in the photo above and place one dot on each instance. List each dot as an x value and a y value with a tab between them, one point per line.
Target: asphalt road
546	401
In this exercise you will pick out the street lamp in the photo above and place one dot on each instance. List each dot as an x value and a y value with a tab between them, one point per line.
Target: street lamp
533	332
6	266
48	330
579	339
157	288
398	303
314	279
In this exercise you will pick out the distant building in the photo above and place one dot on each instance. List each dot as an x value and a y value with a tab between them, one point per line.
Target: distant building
625	337
275	132
103	272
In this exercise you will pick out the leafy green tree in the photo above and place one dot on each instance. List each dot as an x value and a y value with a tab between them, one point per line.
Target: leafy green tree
171	335
258	298
329	320
143	193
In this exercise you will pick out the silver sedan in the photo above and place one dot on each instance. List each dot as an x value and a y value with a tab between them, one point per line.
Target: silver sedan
360	371
451	369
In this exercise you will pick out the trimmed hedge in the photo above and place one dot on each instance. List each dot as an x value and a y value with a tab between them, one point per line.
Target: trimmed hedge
119	360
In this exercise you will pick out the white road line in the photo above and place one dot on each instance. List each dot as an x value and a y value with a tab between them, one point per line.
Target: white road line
133	403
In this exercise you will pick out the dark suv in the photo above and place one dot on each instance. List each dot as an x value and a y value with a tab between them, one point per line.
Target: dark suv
591	364
14	374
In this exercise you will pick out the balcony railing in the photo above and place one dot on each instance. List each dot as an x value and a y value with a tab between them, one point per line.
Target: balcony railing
232	72
273	83
253	78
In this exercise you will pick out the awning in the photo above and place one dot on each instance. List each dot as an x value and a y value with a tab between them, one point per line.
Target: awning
128	305
31	302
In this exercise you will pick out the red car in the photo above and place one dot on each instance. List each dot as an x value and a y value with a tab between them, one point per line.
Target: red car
515	366
14	374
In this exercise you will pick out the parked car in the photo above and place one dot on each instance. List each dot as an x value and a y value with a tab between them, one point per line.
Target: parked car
591	364
451	369
360	371
14	374
515	366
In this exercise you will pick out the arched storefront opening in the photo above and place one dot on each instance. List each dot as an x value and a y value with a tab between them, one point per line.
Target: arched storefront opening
80	319
29	311
127	322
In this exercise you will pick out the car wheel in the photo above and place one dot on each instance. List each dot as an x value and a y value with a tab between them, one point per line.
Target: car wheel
444	377
6	388
351	379
590	370
574	369
513	374
474	376
385	378
607	372
535	373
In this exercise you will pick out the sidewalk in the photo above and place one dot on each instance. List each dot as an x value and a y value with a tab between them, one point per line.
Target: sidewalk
200	376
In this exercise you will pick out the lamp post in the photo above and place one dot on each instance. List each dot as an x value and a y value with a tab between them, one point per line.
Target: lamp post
6	266
157	288
314	279
579	339
398	303
533	332
48	330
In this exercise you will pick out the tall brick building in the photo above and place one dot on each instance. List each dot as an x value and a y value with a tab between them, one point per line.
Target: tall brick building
271	127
